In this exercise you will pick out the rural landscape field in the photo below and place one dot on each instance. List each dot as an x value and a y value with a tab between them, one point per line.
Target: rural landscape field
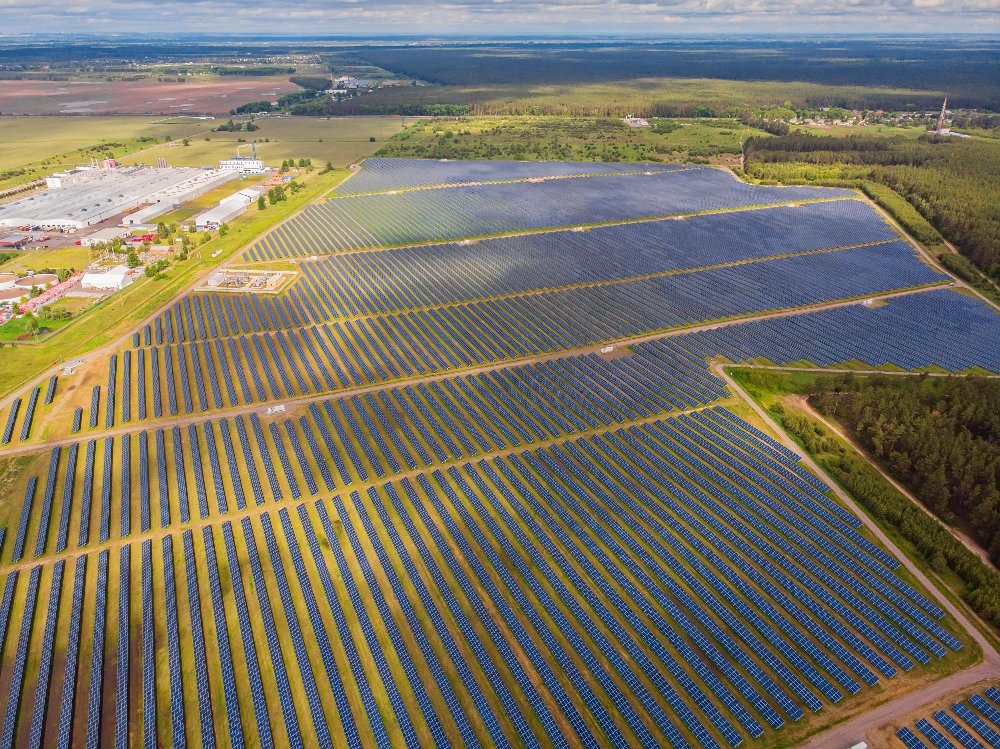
405	394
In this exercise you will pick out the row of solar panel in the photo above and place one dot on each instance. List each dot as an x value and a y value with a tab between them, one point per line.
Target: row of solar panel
208	315
378	282
978	726
381	174
421	216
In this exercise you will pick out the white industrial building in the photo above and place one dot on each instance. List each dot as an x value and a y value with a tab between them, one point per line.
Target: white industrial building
227	209
174	196
241	165
83	197
114	279
108	235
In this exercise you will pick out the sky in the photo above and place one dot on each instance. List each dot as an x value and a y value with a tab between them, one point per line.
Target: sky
376	17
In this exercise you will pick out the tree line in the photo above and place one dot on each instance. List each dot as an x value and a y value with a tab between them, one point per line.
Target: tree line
851	397
940	436
952	182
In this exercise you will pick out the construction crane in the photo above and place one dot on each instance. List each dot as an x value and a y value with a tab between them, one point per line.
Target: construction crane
253	149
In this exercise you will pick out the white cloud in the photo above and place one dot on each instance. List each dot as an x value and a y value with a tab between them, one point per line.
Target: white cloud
498	16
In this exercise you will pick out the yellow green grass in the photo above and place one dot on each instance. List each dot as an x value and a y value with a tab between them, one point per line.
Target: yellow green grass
36	146
56	258
341	141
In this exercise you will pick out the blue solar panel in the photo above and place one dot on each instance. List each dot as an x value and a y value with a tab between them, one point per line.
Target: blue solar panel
20	659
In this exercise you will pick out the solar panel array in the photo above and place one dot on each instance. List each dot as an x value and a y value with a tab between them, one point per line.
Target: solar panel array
571	549
328	357
380	175
363	283
973	723
934	329
420	216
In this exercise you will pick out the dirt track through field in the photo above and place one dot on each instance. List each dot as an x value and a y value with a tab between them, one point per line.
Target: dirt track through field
292	403
253	511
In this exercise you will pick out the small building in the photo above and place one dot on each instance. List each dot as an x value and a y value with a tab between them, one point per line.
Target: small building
227	209
144	215
114	279
14	241
242	166
105	235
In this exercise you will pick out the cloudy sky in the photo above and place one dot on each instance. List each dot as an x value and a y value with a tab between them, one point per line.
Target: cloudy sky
647	17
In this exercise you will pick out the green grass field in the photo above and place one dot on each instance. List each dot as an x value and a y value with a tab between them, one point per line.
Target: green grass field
341	141
31	147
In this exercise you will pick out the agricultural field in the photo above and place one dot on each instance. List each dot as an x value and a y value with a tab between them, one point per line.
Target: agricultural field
341	141
33	147
30	140
201	95
444	490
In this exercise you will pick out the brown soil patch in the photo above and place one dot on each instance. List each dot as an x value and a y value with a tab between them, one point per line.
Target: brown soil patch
137	97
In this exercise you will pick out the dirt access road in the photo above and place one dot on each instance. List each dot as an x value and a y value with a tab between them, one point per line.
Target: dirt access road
851	732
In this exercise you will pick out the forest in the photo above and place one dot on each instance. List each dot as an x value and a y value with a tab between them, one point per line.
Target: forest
920	423
940	436
570	139
968	70
952	182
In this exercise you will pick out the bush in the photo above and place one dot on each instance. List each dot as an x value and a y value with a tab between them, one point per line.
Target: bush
312	82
